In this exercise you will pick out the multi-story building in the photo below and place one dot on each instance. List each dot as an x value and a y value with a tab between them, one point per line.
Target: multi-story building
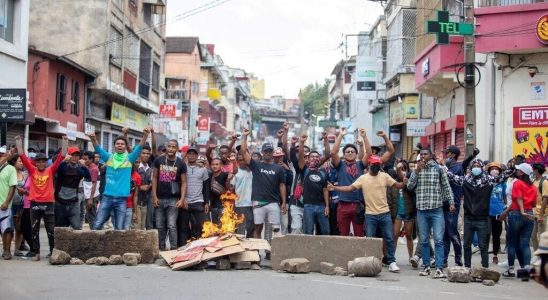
183	75
339	89
123	42
14	29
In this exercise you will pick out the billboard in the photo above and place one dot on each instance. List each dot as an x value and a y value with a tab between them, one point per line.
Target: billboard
530	133
13	105
124	116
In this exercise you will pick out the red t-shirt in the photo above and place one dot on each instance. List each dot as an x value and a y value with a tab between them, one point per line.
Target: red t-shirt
524	191
135	184
41	183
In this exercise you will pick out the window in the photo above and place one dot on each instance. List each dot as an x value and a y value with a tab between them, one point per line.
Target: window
75	104
155	77
131	51
61	92
6	20
147	14
145	66
115	47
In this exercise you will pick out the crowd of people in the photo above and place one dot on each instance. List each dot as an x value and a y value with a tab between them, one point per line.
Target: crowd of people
285	188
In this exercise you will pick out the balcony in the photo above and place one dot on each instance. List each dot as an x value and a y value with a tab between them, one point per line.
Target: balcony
489	3
180	95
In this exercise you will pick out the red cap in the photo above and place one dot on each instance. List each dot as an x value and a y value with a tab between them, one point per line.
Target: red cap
184	149
72	150
374	159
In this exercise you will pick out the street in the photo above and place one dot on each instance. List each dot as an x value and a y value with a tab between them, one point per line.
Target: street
24	279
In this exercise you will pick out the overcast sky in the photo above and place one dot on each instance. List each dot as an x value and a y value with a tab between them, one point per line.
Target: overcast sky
289	43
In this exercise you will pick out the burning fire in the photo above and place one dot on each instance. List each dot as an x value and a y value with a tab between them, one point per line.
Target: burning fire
229	220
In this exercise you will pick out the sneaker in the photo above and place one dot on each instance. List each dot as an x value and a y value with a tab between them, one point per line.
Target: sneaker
509	273
18	253
504	264
393	267
6	255
36	257
24	247
495	260
29	254
475	249
439	274
414	261
425	272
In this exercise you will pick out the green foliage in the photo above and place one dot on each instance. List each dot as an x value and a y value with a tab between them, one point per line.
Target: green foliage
314	97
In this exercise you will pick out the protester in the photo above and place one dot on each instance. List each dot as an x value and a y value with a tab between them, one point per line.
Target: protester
451	235
431	186
520	218
41	193
541	207
91	188
219	184
69	174
168	193
131	202
145	171
497	202
119	166
268	187
8	183
17	205
191	218
242	184
227	165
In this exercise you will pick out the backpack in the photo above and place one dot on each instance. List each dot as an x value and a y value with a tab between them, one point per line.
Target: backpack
299	188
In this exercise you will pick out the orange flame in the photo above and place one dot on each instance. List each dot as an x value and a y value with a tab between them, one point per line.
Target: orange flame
229	220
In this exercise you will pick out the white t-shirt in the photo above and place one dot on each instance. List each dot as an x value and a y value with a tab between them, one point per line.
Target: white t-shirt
242	182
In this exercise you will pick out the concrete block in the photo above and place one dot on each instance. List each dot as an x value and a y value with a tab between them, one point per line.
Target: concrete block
59	257
327	268
295	265
458	274
87	244
365	266
481	274
338	250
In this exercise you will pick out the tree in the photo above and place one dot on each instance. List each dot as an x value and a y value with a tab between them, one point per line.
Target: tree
314	97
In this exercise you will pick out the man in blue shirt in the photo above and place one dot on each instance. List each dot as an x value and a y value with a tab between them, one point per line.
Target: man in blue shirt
118	177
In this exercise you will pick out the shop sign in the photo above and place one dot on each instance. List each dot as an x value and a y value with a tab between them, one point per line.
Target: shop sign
13	103
530	133
417	127
125	116
542	29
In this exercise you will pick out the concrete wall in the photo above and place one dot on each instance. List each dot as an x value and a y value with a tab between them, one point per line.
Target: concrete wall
13	56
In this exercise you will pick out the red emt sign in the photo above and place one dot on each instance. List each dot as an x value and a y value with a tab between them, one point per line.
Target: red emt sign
530	116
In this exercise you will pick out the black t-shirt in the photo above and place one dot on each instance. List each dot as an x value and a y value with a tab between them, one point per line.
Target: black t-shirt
266	181
313	184
169	171
214	196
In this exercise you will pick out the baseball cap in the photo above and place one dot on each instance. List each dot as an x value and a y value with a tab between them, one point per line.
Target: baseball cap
374	159
40	156
278	152
72	150
185	149
3	150
453	149
525	168
267	146
191	148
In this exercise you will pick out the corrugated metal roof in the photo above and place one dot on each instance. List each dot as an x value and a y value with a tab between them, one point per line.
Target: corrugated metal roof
181	44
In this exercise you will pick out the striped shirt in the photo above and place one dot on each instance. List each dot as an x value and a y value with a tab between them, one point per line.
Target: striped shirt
431	187
195	177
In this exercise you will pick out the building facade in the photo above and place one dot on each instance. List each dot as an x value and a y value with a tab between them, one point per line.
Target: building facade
121	42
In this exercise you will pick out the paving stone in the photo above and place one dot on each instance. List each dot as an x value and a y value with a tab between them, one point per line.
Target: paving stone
365	266
102	261
76	261
481	274
327	268
295	265
115	260
458	274
488	282
91	261
59	257
339	271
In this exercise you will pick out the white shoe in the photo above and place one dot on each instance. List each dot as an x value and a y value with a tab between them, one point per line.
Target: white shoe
393	267
475	249
503	264
414	261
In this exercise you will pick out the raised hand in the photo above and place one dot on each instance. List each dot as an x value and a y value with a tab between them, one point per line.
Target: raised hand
324	135
245	132
212	146
381	133
280	133
304	137
362	132
125	130
342	131
294	140
286	126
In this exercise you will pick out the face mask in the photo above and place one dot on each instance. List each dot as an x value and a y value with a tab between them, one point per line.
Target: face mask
476	171
494	173
375	169
32	155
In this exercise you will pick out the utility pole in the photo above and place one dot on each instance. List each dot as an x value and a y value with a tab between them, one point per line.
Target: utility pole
469	81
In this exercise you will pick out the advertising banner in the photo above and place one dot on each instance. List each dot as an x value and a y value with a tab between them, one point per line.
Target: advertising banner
530	133
124	116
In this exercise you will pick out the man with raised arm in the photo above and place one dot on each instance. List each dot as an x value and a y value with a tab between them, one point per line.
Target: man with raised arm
119	166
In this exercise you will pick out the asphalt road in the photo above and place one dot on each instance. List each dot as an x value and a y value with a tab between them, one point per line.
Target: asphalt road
24	279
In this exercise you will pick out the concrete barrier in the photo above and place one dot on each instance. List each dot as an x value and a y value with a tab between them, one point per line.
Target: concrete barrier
87	244
338	250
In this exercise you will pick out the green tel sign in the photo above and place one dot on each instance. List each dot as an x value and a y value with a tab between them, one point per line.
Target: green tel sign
443	28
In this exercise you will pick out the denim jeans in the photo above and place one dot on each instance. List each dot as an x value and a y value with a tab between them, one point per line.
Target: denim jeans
166	222
382	222
519	234
314	214
297	215
431	219
481	228
190	222
68	215
107	205
452	236
128	218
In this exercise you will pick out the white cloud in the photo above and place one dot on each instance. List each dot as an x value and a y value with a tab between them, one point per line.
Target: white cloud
290	42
